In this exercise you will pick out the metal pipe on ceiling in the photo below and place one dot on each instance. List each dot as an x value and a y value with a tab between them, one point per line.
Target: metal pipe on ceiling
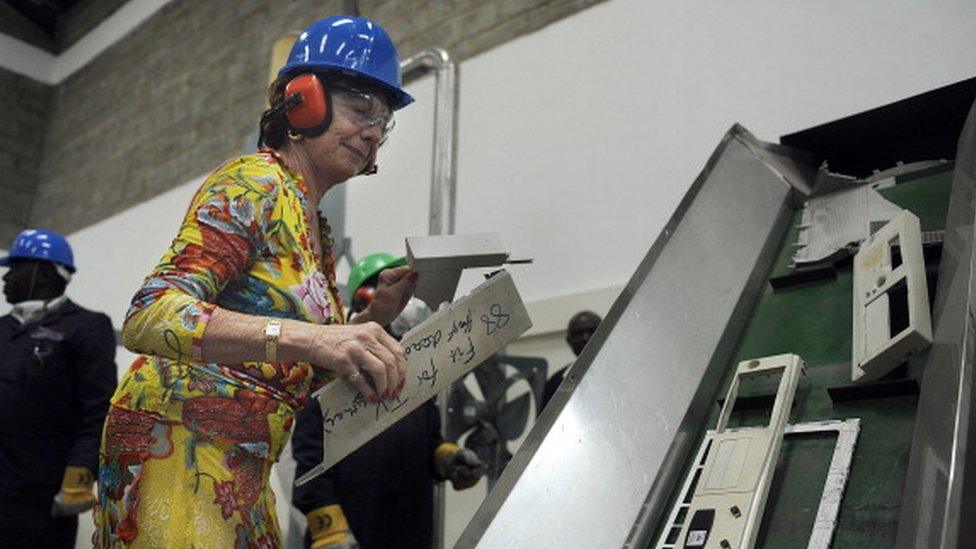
444	171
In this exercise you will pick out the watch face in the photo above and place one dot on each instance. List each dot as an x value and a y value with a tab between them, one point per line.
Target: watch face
273	329
271	332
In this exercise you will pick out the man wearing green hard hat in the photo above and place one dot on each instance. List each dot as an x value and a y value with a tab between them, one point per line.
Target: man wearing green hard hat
391	478
364	278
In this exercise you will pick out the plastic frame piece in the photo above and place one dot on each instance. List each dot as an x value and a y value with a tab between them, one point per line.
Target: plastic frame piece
730	495
833	492
889	285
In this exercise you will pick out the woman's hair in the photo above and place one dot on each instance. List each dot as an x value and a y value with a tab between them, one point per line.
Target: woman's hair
274	126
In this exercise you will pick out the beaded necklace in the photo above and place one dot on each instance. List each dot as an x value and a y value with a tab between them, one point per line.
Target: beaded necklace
328	263
324	258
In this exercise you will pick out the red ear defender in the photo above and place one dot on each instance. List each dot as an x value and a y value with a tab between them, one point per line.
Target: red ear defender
362	298
311	117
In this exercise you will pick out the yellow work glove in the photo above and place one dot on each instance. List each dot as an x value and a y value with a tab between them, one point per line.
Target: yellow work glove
329	529
459	465
76	494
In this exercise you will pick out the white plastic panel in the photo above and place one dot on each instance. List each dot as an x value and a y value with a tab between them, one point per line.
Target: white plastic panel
727	507
891	306
830	499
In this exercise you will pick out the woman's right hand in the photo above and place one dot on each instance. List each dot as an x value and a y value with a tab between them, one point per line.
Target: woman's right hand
365	354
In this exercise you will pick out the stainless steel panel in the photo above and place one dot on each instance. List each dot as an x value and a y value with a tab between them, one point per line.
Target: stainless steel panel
937	506
611	443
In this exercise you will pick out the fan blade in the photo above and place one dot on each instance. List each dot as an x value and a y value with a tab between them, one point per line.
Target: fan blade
490	375
460	406
512	418
534	369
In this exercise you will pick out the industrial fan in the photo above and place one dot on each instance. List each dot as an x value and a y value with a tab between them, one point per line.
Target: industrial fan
495	420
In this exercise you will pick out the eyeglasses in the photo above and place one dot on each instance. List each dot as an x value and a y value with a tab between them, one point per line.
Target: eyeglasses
364	108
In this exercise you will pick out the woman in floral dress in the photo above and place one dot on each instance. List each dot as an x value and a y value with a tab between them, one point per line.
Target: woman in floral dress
241	318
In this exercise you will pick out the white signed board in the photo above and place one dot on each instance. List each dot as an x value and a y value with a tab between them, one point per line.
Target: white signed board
442	349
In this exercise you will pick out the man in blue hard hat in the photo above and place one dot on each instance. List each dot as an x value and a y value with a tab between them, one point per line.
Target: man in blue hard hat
57	372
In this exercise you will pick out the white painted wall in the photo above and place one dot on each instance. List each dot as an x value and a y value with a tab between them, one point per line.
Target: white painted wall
578	141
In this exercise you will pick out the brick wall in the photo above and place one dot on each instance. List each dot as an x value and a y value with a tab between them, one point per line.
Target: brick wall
23	108
184	90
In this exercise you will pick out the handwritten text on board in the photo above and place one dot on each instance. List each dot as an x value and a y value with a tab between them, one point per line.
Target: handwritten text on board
441	350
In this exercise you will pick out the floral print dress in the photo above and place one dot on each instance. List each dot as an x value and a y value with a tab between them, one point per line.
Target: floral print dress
187	446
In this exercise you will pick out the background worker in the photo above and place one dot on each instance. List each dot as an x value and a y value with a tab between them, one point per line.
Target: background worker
578	333
57	372
381	495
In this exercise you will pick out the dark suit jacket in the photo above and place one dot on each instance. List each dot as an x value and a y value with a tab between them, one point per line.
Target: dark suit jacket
385	488
57	375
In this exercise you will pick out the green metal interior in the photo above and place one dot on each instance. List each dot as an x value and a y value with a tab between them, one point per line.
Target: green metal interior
815	321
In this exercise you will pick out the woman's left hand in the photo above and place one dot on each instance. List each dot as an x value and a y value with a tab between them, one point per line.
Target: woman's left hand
392	294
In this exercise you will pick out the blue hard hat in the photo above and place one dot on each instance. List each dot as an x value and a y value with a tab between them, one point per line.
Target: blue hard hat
43	245
353	45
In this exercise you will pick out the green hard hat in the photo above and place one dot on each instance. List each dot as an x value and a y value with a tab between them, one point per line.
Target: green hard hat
369	266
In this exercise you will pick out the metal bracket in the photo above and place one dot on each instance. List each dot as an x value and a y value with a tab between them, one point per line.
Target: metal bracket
833	492
440	259
891	305
730	495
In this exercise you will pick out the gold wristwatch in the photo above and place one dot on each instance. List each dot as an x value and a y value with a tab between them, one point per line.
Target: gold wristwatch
271	332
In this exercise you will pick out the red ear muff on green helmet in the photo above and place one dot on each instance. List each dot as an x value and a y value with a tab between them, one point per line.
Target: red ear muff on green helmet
362	298
312	114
